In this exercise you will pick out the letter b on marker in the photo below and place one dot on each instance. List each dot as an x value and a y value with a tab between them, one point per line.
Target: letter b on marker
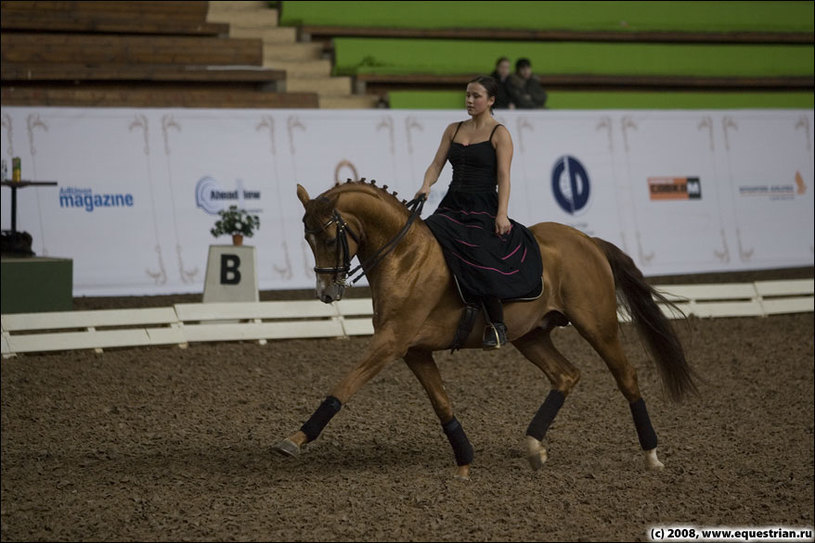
230	272
231	275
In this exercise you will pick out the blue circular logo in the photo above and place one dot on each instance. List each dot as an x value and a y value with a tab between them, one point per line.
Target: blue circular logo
570	184
204	190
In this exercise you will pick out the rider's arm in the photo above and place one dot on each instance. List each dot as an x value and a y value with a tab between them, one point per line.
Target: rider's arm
431	175
503	153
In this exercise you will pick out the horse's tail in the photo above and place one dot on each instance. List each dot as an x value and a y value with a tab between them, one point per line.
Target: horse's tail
637	297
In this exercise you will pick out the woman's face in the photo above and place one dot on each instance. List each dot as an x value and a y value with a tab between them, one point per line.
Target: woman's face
478	100
503	68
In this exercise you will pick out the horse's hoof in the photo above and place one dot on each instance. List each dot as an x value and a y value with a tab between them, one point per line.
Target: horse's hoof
536	453
287	447
652	462
462	473
537	460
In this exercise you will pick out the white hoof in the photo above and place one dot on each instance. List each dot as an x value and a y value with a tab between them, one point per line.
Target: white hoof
536	453
287	447
651	460
462	473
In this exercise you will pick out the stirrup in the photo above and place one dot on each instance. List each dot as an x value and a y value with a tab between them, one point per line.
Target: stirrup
495	336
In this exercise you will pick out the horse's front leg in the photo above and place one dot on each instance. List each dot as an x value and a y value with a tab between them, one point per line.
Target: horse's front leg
426	371
383	349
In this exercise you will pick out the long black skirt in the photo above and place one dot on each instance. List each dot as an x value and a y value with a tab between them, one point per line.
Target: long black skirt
484	263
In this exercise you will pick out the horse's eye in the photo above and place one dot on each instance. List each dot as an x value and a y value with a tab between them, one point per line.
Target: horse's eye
331	242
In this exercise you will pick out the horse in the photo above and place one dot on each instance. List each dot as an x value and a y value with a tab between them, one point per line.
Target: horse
417	310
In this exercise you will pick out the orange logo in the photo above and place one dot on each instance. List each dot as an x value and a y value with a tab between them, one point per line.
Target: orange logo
674	188
799	182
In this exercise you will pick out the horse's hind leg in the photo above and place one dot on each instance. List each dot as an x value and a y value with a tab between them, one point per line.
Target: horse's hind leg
537	346
606	342
426	371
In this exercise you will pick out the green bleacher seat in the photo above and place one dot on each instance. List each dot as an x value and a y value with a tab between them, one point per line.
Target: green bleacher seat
654	54
622	100
623	17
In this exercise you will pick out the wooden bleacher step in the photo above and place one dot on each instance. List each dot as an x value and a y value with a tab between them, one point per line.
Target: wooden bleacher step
296	52
279	34
352	101
323	86
307	69
127	49
247	14
126	96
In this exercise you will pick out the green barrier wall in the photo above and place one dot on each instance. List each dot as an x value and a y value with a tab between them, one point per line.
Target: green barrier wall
405	56
598	16
621	100
444	57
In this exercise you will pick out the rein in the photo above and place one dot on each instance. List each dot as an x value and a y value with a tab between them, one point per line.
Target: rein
343	259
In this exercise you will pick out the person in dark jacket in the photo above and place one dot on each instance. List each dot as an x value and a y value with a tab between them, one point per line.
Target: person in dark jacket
501	75
525	88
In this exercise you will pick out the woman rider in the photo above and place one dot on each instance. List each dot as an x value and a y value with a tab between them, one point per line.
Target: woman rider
492	257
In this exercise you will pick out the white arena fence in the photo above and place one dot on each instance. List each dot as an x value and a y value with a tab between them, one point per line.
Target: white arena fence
183	324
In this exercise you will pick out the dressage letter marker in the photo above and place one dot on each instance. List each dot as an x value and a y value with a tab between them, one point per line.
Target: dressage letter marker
231	274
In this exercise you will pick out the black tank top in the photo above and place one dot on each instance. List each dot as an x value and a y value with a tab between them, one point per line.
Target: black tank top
475	166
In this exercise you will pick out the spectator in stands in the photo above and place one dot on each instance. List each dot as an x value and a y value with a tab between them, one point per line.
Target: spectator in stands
525	88
501	75
492	257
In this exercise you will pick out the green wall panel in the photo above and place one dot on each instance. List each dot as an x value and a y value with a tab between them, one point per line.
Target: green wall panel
622	100
405	56
697	16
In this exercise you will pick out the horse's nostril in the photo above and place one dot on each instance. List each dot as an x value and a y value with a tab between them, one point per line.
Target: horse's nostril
326	299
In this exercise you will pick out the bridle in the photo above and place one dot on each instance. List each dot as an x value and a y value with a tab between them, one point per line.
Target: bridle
343	257
342	269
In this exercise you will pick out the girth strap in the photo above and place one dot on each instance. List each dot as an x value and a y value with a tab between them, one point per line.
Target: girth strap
465	326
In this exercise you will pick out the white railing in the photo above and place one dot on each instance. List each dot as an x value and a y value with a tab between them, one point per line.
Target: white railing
262	321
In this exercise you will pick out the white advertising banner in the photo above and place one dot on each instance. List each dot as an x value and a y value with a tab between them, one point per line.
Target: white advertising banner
139	189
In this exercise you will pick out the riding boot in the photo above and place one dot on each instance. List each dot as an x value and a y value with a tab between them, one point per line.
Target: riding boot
495	336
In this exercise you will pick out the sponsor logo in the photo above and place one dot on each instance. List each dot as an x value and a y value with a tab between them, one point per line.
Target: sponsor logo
570	185
85	198
801	187
210	197
674	188
780	191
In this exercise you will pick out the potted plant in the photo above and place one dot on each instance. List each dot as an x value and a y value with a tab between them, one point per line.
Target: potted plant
237	223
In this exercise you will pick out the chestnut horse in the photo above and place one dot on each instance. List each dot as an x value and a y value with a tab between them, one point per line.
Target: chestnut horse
417	310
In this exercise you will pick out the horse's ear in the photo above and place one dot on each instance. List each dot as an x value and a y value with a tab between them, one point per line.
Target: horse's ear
302	195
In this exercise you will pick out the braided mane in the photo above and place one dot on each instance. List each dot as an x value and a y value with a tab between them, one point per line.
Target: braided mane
369	188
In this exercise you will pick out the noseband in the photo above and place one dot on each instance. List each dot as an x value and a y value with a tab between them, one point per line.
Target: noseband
343	257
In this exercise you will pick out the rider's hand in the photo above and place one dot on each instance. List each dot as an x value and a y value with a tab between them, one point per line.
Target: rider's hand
424	191
502	225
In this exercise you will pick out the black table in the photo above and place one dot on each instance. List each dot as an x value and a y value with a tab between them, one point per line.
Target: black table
14	185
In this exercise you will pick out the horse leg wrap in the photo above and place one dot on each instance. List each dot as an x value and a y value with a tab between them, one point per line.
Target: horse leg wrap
458	440
646	433
330	407
545	415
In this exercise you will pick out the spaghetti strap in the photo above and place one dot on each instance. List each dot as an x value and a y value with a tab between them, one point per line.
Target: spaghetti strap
456	132
493	131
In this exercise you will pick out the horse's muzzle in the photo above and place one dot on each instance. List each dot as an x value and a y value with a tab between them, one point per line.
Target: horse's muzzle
328	292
